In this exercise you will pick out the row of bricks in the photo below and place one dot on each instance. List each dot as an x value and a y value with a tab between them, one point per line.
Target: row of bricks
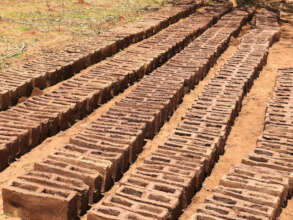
27	124
266	19
49	68
279	110
103	150
157	73
274	147
172	173
255	189
267	170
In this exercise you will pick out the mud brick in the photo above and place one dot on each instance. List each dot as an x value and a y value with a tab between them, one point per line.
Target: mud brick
262	160
280	131
283	156
139	134
282	148
258	198
165	155
118	159
102	212
201	141
48	120
238	182
220	212
214	117
188	126
159	111
60	182
166	102
29	200
220	107
261	180
150	197
200	108
161	158
23	130
201	137
156	99
105	121
183	181
135	144
240	206
191	151
143	209
146	185
150	120
279	118
12	146
88	176
4	98
4	157
202	216
101	166
274	138
168	170
96	142
266	174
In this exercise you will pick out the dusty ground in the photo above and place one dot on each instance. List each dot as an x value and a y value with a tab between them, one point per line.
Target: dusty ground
30	26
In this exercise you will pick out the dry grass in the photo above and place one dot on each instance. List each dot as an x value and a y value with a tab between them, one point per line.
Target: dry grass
27	26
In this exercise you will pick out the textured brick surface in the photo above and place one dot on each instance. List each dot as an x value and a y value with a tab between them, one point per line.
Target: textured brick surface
193	147
103	150
263	181
76	97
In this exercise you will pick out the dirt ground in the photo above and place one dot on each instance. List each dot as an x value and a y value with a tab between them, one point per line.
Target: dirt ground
247	128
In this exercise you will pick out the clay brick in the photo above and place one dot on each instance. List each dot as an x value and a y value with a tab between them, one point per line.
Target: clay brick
4	155
101	212
146	185
29	200
225	213
88	176
190	151
259	198
143	209
167	178
241	206
60	182
103	167
150	197
169	171
234	181
118	159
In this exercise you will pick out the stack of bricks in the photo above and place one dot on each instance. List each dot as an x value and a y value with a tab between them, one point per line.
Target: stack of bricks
170	175
50	68
30	122
259	186
103	150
